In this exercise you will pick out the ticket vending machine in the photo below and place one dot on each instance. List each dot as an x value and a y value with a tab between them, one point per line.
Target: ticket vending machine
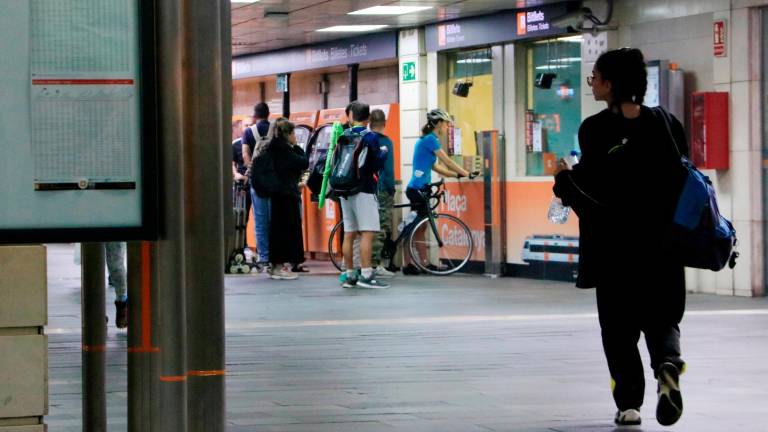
318	223
305	125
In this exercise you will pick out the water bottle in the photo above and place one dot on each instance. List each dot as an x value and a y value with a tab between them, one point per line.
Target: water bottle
558	213
408	219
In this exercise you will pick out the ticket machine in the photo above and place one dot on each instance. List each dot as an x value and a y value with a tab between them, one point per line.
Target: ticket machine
318	223
305	125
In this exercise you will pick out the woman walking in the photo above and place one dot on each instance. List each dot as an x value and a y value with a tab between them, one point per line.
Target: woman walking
624	190
285	234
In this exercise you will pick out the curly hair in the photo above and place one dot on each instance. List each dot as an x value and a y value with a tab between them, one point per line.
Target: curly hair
625	69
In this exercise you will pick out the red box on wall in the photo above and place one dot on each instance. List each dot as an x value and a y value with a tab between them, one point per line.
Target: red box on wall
710	130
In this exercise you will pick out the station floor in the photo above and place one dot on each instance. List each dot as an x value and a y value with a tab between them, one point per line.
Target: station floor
453	354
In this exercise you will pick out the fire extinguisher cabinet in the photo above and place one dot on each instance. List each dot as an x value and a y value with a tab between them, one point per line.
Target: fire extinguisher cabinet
709	130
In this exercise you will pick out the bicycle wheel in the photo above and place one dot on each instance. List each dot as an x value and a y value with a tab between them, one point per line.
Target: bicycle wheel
429	256
334	245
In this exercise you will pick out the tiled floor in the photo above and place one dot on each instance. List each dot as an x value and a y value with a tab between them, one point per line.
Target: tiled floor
455	354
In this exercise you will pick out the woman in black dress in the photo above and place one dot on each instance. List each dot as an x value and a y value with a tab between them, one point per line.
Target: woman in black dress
286	245
624	191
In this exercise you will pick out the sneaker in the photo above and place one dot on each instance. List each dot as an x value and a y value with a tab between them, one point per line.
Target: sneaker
349	282
630	417
371	283
383	273
282	274
121	314
670	405
411	270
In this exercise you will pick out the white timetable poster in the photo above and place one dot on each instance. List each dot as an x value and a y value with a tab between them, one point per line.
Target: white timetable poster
83	99
77	137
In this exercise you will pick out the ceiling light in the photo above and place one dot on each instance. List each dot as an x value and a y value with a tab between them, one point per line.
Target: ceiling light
390	10
473	61
354	28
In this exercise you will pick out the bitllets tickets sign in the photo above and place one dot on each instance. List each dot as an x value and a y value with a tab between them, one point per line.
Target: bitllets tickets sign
500	27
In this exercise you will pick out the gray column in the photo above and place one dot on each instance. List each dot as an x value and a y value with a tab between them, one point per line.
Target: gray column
168	253
94	338
203	173
143	351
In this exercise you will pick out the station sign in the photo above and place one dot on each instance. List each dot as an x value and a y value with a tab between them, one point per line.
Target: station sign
365	48
499	27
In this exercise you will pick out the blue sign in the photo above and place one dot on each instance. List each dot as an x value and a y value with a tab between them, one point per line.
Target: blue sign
366	48
500	27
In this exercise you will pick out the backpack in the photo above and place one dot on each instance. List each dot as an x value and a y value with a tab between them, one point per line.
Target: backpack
261	141
264	179
701	236
348	159
315	180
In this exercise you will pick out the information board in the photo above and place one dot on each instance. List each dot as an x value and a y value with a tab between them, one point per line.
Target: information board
77	121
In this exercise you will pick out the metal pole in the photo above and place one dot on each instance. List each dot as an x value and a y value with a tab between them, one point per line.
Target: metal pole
94	338
143	372
204	171
287	96
168	255
353	70
324	90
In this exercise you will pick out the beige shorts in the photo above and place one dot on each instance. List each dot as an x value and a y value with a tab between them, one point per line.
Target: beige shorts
361	212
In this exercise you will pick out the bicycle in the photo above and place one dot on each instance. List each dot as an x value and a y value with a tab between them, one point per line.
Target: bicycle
439	243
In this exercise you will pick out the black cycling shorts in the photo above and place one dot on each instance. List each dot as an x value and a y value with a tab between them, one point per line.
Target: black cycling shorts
418	201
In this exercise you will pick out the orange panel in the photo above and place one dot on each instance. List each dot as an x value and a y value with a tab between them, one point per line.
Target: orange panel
331	115
464	199
307	118
527	204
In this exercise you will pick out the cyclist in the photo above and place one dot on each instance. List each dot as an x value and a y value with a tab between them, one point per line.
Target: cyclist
426	155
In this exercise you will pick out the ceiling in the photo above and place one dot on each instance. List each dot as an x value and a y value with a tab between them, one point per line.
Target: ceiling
297	20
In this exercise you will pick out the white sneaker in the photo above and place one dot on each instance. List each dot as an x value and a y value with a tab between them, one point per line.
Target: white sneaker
628	417
282	274
383	273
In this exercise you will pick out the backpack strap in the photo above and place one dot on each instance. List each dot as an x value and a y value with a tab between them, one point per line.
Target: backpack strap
667	120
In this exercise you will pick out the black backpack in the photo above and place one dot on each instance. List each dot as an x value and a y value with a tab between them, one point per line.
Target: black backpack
264	178
348	157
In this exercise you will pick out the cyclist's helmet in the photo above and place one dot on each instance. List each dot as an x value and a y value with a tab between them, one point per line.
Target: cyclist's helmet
437	115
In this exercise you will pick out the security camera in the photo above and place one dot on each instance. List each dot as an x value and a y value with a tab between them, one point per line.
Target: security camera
573	21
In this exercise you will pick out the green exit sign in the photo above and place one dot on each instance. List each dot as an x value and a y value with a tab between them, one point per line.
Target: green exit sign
409	71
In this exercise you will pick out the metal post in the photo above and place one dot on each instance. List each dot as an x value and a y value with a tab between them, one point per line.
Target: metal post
168	255
287	96
353	70
143	372
94	338
204	171
324	90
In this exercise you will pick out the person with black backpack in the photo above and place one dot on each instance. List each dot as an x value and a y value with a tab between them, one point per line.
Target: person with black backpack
358	158
626	186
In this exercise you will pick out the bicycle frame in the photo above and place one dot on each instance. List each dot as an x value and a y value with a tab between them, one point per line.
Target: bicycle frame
430	215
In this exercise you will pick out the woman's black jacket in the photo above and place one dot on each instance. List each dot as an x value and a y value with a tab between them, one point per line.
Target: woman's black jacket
624	191
290	162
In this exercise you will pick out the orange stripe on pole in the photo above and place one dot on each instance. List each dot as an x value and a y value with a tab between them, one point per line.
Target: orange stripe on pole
143	349
146	298
175	378
204	373
94	348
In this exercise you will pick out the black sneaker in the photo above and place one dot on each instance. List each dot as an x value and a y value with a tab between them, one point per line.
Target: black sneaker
630	417
121	314
411	270
349	282
370	282
670	405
